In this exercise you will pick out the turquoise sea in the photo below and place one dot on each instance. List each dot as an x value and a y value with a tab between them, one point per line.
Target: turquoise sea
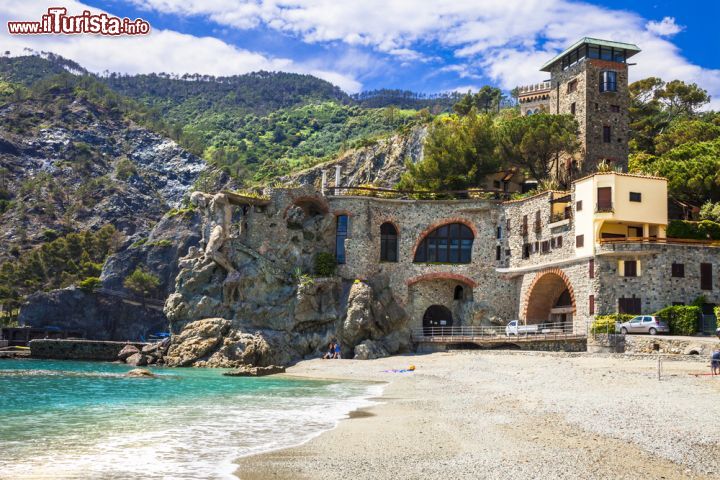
65	419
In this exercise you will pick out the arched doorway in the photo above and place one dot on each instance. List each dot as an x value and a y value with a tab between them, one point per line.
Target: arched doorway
436	318
550	300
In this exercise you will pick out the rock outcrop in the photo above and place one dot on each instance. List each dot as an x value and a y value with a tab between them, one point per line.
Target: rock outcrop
99	316
255	371
253	299
380	164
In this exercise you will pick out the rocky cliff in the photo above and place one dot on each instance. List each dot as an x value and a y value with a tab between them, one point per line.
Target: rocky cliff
380	164
74	165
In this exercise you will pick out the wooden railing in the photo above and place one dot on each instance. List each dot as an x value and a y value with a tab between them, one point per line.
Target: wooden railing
670	240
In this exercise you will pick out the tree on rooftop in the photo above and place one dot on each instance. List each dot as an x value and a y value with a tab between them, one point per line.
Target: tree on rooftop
533	142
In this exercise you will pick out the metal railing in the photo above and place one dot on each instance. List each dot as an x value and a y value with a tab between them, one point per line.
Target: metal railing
559	217
604	208
541	331
672	240
390	193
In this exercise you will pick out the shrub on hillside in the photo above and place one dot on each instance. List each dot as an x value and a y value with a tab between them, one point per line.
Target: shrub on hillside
325	264
90	284
141	282
682	319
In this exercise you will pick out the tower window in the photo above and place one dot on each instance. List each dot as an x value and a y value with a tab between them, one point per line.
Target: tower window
608	81
615	108
607	133
572	86
572	108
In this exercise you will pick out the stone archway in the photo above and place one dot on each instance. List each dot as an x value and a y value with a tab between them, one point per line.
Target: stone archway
437	317
550	298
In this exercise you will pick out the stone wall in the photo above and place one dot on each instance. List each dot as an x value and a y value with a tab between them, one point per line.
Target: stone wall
655	286
669	345
491	299
77	349
549	231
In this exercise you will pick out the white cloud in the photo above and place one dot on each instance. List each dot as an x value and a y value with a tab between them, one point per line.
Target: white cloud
505	40
162	51
665	28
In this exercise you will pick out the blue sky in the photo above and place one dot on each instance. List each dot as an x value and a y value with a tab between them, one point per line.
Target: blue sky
420	45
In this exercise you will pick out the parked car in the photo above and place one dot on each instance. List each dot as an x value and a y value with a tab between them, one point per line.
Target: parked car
515	327
645	324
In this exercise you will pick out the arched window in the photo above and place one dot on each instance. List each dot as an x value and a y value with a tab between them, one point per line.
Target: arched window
388	243
450	243
459	293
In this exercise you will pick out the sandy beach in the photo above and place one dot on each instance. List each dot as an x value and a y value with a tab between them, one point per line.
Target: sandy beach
513	415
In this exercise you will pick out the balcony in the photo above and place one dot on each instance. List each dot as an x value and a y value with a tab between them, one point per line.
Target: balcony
534	89
560	216
604	207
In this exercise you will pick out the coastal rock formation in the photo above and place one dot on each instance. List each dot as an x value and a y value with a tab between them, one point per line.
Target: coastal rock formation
127	351
248	294
140	373
100	316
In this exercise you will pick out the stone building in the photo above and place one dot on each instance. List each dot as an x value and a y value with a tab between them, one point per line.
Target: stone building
588	80
405	264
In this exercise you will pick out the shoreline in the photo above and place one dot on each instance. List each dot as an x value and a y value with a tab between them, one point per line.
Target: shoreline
499	415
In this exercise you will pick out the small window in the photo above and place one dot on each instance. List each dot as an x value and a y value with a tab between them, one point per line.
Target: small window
498	252
498	234
572	86
538	221
591	268
597	107
507	252
341	233
507	226
607	134
615	108
706	282
580	241
388	243
459	293
545	246
552	242
578	206
572	108
635	197
630	267
526	251
558	242
630	306
537	247
678	270
591	304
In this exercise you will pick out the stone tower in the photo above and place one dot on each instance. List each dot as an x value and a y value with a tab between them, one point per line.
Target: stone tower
590	81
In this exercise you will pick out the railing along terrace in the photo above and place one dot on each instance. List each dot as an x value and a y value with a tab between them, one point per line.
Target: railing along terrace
670	240
541	331
378	192
536	87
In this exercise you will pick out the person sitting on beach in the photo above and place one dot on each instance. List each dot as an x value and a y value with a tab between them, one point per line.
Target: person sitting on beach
337	355
331	351
715	362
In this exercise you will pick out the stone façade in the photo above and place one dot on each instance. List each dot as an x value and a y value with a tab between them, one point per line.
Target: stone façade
372	306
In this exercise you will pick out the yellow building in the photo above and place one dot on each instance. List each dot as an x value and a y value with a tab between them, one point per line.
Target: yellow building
614	206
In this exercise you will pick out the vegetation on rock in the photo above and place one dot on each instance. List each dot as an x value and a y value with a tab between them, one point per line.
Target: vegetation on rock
141	282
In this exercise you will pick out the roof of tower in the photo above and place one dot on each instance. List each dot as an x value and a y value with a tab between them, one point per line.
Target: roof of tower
630	49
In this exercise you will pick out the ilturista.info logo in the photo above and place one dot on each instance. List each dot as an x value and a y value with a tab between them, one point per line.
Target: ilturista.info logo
57	21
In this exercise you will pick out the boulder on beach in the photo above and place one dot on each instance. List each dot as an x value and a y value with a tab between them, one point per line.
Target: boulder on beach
137	360
127	351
